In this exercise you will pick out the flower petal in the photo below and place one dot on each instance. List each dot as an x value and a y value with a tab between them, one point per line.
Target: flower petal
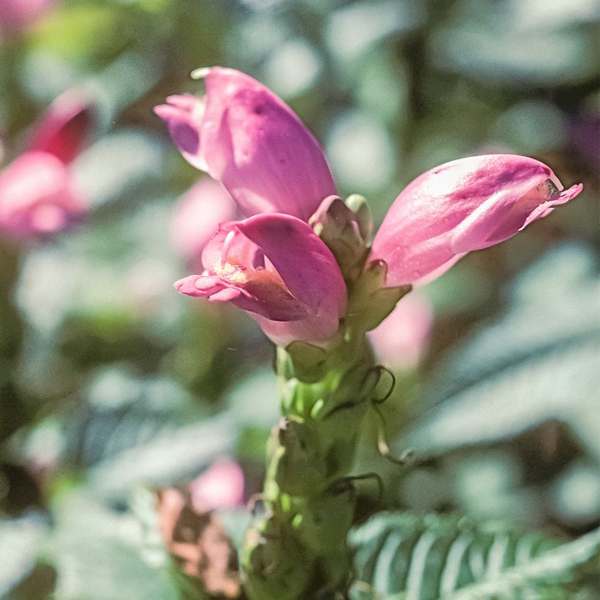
464	205
303	261
64	127
267	301
250	140
37	196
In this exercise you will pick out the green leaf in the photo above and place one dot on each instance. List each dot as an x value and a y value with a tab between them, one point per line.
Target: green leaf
537	363
407	557
19	545
102	554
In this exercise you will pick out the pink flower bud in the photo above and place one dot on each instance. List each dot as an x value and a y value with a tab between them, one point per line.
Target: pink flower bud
276	268
37	196
247	138
400	341
197	216
463	205
221	486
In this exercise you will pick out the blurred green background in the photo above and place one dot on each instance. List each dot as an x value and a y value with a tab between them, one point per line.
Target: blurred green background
110	380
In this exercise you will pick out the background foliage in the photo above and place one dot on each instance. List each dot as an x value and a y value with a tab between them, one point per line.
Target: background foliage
117	382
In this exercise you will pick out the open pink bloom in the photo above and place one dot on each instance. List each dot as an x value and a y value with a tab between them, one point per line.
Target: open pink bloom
221	486
276	268
247	138
197	215
400	341
15	15
463	205
37	193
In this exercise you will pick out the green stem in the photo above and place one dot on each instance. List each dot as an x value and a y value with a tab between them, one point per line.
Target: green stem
297	548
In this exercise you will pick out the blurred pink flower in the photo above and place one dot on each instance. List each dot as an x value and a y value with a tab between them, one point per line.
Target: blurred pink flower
247	138
37	193
221	486
266	265
15	15
401	339
463	205
197	216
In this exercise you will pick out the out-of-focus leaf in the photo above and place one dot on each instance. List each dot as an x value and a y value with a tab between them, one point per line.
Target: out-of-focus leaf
98	555
354	29
554	386
359	148
490	41
19	546
118	163
143	430
428	558
168	457
538	363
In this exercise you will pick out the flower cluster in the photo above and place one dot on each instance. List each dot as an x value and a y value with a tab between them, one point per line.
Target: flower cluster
277	263
37	192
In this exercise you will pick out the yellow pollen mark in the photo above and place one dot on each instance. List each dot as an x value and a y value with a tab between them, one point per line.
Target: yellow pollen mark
230	271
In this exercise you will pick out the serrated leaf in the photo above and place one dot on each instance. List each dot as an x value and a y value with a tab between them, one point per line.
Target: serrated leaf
408	557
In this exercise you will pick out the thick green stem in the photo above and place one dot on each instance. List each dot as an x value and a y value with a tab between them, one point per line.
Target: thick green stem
297	546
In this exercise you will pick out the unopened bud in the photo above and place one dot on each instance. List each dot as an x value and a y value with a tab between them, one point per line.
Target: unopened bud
338	227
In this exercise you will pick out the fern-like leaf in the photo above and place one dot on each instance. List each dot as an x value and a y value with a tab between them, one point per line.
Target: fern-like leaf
405	557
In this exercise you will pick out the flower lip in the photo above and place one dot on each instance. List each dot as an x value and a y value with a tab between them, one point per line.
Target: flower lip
237	271
275	267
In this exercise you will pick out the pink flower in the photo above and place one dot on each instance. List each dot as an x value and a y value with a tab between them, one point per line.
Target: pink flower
197	216
63	129
15	15
463	205
276	268
221	486
401	339
247	138
37	194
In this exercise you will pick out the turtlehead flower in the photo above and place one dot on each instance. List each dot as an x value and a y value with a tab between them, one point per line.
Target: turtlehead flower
461	206
197	216
37	193
277	269
247	138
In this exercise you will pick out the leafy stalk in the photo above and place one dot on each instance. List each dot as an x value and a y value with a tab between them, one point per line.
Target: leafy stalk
296	548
